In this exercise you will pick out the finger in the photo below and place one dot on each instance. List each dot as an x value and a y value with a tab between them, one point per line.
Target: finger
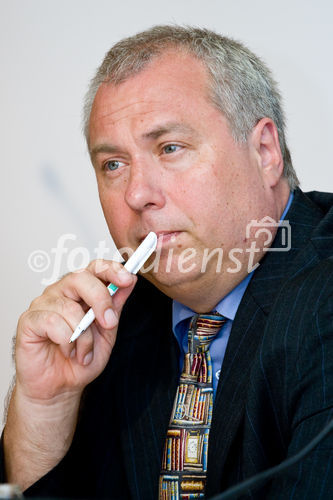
84	347
122	295
97	331
110	271
37	327
72	312
88	287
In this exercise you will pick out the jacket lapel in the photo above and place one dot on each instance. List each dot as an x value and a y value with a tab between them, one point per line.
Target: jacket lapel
150	377
229	402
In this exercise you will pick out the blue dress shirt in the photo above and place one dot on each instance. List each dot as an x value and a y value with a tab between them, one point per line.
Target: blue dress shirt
228	306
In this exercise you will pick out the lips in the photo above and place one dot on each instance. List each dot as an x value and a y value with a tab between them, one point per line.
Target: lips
164	237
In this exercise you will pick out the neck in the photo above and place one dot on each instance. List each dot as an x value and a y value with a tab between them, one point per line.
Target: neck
203	293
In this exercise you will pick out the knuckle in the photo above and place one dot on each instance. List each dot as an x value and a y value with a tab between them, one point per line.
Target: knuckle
73	277
23	319
116	266
92	265
101	266
59	303
77	277
47	299
65	275
51	319
34	304
49	289
71	308
98	266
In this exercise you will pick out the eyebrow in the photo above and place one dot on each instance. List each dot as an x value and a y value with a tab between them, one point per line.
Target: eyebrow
152	134
167	128
103	148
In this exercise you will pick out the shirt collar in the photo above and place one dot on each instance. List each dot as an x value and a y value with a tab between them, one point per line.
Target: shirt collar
227	306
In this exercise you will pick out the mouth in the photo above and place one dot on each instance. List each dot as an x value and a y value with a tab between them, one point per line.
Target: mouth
164	238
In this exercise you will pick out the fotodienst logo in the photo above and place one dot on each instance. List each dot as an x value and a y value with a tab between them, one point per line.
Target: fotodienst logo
65	257
268	227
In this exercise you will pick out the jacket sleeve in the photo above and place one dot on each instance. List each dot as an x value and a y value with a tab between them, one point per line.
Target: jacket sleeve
92	468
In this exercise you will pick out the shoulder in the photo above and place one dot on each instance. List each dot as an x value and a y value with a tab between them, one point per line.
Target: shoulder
308	278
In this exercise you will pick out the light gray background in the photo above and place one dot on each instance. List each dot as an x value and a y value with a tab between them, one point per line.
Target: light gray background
49	50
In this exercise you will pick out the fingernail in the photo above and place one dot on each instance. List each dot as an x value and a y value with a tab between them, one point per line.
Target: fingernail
87	359
110	318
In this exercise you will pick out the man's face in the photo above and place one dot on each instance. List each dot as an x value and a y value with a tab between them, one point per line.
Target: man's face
166	161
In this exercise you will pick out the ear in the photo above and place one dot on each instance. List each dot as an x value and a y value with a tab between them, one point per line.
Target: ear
264	140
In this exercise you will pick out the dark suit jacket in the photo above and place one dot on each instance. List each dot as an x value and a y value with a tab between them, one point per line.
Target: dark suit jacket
275	391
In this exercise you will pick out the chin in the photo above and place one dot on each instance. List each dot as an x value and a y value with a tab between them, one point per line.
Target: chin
172	279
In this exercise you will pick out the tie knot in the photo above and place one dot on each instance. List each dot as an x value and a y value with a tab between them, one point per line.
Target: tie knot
203	330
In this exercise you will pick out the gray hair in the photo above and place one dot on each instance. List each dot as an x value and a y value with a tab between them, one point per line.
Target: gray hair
241	85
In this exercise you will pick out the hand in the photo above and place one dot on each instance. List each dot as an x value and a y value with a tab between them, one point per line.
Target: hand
47	365
51	373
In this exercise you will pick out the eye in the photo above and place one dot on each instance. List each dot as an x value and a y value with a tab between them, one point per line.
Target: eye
112	164
171	148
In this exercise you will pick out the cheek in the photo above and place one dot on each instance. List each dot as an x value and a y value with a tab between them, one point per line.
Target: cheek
115	212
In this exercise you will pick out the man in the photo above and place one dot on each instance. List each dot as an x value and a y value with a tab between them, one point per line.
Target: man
186	135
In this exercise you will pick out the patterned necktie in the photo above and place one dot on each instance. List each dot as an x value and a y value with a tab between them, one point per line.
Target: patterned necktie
184	462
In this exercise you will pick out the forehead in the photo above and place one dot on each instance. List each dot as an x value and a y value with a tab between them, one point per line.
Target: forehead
173	82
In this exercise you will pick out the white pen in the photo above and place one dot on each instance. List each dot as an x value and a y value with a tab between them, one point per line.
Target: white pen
134	263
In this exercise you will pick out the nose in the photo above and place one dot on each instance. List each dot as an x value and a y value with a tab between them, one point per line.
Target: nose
144	187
